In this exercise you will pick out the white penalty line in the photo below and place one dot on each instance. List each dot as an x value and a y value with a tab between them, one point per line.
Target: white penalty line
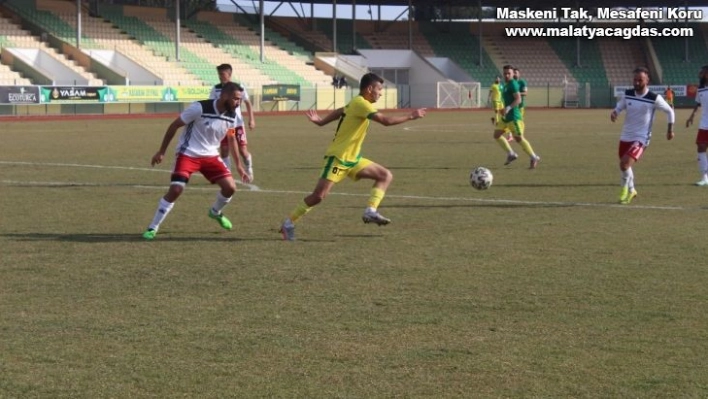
390	196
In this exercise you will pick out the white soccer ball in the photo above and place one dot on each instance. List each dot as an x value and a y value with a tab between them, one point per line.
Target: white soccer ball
481	178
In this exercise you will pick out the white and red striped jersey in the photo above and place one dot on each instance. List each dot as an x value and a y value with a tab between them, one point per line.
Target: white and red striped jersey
216	92
640	114
702	100
204	130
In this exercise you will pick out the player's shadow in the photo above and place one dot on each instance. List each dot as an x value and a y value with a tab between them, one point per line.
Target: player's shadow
484	205
359	235
124	237
536	185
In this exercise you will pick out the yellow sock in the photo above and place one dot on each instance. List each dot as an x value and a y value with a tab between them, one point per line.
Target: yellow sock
504	144
527	147
299	211
377	195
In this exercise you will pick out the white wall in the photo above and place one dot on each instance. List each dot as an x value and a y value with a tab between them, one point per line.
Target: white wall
49	66
135	74
450	69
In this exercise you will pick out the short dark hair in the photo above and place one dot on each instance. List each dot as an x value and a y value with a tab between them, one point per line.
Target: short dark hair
231	87
369	79
507	66
224	67
516	70
641	70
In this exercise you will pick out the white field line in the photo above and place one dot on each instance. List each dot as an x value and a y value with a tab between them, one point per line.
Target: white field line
252	187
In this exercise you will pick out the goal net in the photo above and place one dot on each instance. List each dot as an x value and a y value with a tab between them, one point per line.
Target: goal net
458	94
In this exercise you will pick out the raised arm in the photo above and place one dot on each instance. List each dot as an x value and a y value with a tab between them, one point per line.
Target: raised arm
395	120
315	118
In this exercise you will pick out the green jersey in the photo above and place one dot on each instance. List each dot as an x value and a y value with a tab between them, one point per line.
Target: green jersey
510	88
522	88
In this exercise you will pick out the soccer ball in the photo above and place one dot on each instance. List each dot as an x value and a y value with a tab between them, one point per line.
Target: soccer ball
481	178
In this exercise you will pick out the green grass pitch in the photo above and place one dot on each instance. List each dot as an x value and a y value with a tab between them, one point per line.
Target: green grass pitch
542	286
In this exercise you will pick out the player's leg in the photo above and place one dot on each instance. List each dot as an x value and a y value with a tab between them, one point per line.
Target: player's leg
216	172
503	143
183	169
382	178
701	146
517	130
332	172
242	142
630	152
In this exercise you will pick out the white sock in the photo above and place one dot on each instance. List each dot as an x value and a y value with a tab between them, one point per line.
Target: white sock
220	203
163	209
370	209
627	178
703	165
248	162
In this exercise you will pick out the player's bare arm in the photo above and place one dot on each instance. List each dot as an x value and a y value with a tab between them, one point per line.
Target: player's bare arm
689	121
670	115
670	131
233	153
169	134
315	118
395	120
251	118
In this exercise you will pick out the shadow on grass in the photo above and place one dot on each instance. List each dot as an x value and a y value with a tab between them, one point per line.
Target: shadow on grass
359	235
132	237
480	204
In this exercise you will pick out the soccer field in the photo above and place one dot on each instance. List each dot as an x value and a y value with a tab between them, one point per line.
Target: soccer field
542	286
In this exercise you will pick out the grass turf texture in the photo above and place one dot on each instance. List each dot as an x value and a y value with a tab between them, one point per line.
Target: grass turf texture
540	286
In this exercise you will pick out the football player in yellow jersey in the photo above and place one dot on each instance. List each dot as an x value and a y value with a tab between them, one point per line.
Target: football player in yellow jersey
343	159
495	99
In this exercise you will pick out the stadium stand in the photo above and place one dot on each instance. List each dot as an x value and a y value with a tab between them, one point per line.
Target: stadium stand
19	38
104	35
671	52
591	68
619	58
539	64
344	35
161	44
455	41
272	36
395	36
294	29
279	65
7	30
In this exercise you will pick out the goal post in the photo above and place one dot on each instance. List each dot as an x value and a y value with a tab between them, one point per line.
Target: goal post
458	94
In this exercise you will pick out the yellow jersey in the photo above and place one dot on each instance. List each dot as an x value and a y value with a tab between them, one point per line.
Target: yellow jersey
496	91
351	130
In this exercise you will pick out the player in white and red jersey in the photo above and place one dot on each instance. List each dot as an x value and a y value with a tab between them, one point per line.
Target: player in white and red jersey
208	123
640	104
702	136
224	71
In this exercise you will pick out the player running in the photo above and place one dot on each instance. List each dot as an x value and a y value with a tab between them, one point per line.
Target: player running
640	103
513	121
